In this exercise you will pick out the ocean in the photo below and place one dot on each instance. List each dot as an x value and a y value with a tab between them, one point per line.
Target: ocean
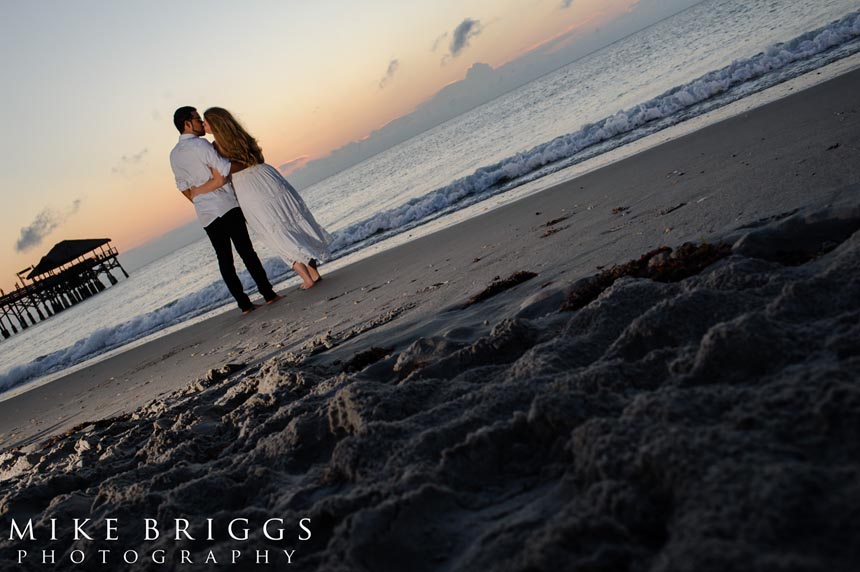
714	54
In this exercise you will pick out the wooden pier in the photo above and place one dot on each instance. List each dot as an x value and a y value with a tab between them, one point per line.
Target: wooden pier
69	274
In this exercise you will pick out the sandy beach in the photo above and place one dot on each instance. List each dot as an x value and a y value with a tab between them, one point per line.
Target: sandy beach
502	394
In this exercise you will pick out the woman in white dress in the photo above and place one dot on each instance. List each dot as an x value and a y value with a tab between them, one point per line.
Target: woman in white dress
272	207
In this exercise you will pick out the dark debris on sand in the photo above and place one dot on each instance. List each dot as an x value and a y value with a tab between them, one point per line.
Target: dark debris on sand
552	231
498	286
672	209
555	221
661	264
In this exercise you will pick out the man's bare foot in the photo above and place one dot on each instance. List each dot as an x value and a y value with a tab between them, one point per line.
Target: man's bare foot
275	299
247	311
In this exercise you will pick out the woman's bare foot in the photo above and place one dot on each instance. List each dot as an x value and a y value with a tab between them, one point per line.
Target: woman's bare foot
312	270
303	272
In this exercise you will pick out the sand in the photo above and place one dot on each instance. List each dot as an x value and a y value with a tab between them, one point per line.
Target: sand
698	409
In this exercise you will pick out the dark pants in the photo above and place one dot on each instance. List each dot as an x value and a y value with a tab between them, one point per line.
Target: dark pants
231	227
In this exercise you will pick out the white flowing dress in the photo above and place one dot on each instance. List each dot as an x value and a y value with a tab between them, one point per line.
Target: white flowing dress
279	216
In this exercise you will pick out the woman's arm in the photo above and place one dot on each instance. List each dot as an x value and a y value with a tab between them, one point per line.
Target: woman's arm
216	182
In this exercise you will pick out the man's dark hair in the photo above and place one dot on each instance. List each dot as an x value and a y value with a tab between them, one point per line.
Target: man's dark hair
181	115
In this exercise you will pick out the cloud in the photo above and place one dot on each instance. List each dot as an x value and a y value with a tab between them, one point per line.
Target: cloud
438	41
44	224
389	75
294	164
467	30
134	159
566	3
129	160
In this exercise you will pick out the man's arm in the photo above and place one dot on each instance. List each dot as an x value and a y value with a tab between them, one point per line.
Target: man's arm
179	175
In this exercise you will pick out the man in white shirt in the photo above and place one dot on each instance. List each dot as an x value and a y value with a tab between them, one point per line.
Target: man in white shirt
194	161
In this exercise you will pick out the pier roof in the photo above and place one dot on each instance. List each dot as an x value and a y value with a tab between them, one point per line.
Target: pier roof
64	252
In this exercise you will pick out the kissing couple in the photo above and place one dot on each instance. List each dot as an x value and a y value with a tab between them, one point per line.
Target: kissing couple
230	184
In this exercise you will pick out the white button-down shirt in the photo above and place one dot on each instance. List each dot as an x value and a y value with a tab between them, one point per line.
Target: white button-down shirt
190	161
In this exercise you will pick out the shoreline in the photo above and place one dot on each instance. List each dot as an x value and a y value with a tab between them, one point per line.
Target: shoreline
138	375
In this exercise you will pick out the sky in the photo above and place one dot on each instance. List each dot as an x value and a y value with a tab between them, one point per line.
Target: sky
89	90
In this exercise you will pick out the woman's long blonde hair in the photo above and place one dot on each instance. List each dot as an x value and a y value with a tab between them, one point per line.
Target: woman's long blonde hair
233	141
